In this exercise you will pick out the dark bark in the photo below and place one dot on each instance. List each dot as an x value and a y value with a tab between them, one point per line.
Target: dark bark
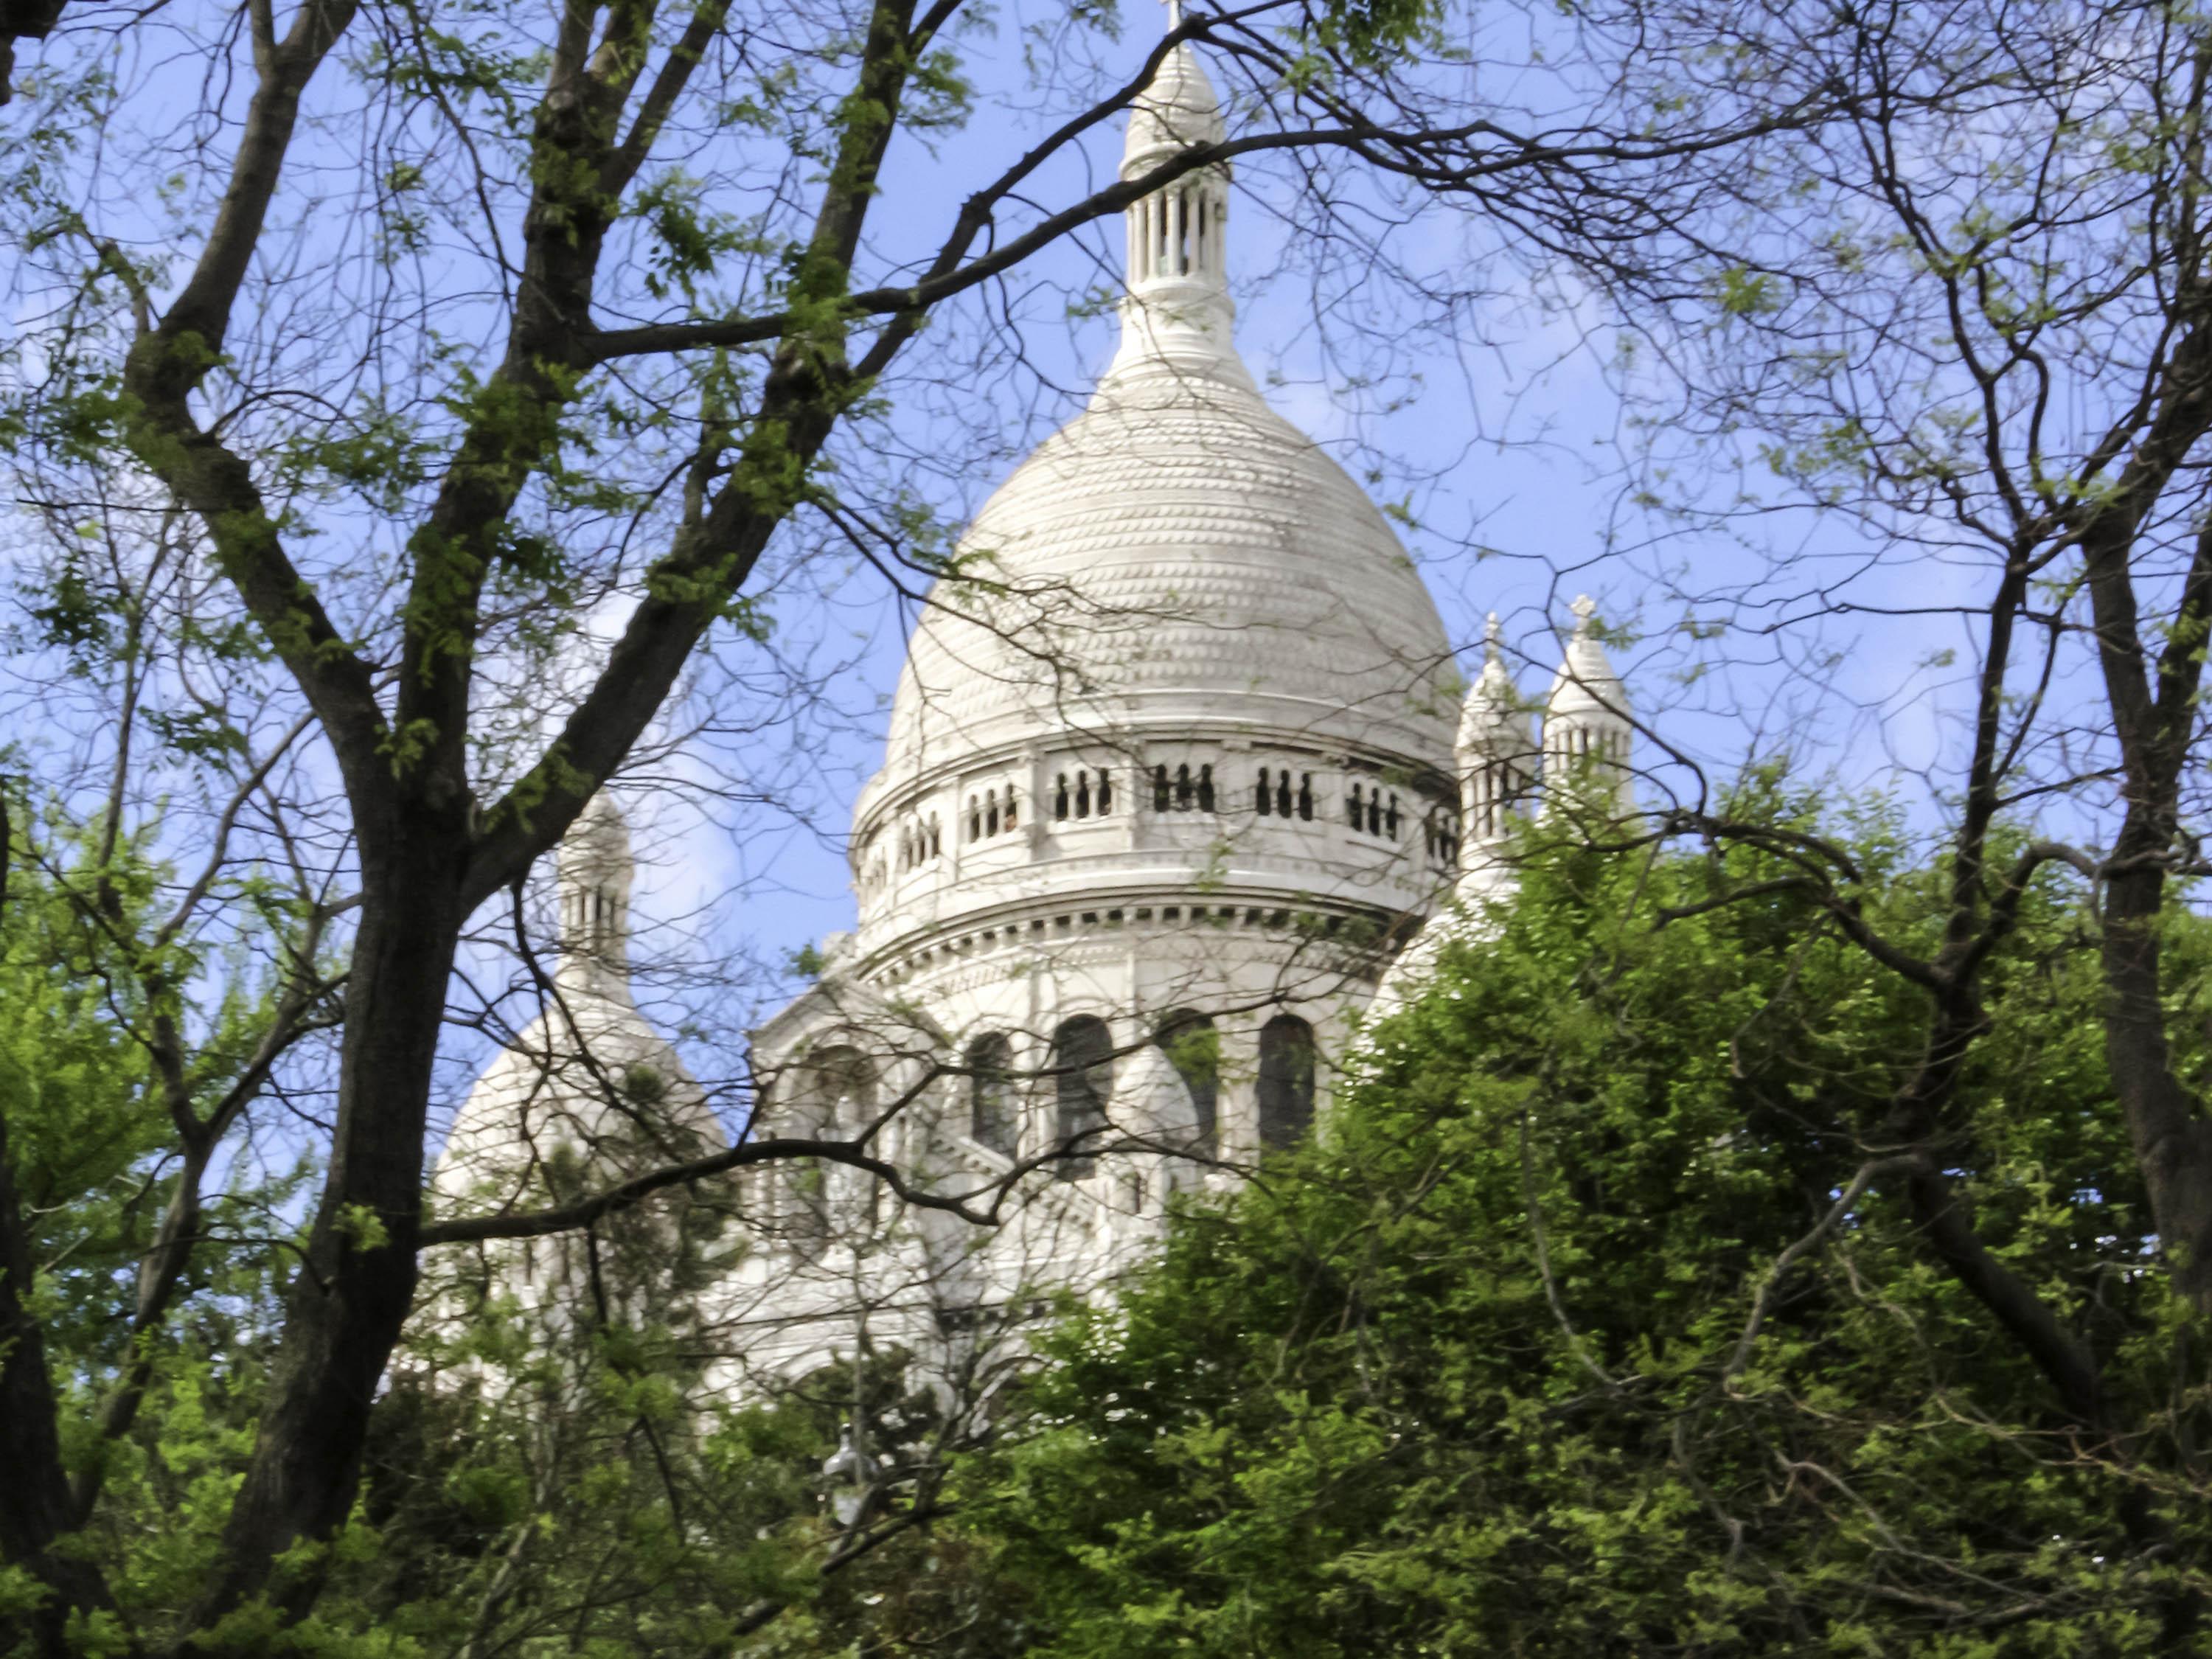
23	20
421	871
356	1282
2154	719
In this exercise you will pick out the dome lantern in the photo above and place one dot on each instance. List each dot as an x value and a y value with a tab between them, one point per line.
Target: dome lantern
1177	315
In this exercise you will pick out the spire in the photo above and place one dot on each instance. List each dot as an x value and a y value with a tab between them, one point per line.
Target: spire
1586	717
1497	748
595	867
1178	314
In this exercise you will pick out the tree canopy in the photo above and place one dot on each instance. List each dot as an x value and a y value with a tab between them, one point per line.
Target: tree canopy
420	423
1585	1323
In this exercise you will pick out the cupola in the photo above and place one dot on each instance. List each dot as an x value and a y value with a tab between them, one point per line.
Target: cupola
1497	748
594	870
1177	315
1176	570
1589	727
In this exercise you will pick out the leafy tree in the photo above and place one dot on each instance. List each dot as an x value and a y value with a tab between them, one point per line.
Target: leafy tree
415	412
104	1222
1587	1323
1964	332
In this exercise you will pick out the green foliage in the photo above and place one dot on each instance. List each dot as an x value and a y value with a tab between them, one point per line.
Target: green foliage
554	1480
73	1084
1474	1371
89	1135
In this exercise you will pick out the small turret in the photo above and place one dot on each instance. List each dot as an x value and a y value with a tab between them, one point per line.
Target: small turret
1496	751
1588	725
595	867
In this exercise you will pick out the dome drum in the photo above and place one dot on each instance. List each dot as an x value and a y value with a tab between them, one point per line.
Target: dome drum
1285	819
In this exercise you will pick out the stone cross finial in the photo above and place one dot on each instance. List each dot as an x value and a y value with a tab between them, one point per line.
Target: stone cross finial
1492	633
1585	608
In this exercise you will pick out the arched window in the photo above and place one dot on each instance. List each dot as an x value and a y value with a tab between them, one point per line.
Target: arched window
1188	1040
1160	787
1083	1066
993	1110
974	819
839	1092
1105	792
1059	797
1286	1080
990	811
1305	796
1355	810
1263	800
1082	794
1206	789
1183	788
837	1100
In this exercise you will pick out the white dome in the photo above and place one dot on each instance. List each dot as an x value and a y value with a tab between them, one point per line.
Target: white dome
1185	655
1179	550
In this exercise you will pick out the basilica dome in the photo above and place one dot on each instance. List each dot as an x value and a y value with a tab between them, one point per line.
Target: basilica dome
1182	650
1179	550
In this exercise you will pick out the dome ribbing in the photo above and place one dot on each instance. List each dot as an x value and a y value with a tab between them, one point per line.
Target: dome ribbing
1178	550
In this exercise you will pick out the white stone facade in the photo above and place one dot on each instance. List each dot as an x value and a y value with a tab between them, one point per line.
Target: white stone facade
1171	775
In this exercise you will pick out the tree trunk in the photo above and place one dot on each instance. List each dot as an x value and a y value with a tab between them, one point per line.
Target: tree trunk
352	1293
2173	1142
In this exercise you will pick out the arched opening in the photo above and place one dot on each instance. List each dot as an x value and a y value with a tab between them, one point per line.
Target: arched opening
1083	1067
1194	1048
1286	1080
836	1101
993	1117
